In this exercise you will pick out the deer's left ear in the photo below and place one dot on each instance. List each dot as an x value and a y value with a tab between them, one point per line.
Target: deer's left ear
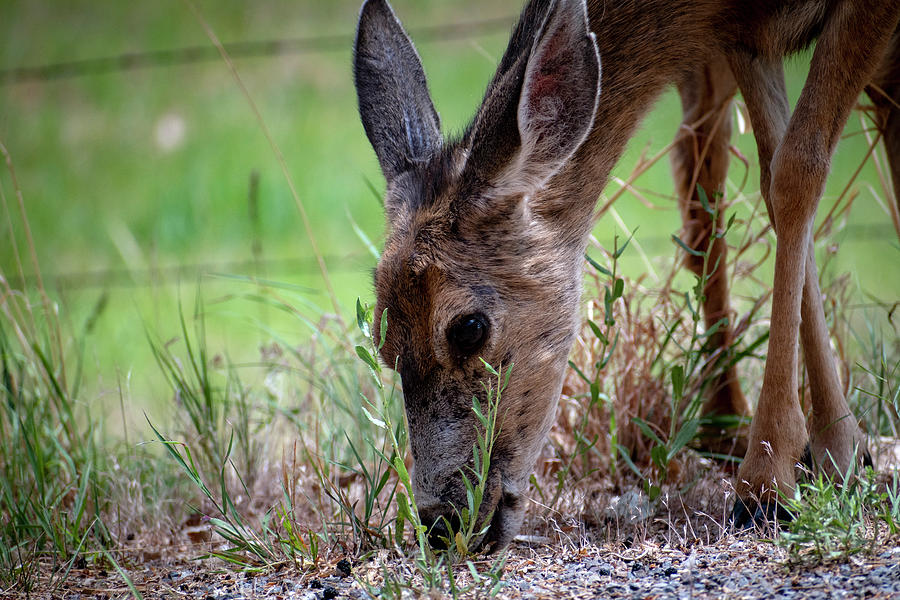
537	114
394	103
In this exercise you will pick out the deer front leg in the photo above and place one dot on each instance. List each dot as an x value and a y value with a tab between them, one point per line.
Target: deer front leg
778	434
762	84
850	47
700	160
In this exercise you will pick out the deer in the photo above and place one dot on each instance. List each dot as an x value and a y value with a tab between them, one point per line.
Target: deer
487	230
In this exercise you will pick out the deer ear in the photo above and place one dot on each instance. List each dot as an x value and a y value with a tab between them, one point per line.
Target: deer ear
540	109
396	109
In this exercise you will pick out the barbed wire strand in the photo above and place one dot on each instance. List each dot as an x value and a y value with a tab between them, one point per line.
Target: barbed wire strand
251	49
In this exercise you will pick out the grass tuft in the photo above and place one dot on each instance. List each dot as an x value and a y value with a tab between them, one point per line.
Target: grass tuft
833	522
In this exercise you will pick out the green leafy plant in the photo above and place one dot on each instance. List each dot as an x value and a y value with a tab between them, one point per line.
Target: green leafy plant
690	372
833	521
472	525
380	414
584	444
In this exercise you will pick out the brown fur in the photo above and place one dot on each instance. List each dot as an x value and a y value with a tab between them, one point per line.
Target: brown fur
494	225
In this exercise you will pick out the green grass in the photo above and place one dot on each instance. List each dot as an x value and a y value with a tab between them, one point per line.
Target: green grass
832	522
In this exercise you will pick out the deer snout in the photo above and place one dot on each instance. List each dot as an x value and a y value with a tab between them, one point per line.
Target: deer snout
440	519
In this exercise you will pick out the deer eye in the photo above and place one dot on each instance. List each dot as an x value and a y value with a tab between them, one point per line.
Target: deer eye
468	333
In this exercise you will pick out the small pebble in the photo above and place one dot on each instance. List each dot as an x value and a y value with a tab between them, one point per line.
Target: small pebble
329	593
344	567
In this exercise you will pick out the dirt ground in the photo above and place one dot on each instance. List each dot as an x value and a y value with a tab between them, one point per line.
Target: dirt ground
733	567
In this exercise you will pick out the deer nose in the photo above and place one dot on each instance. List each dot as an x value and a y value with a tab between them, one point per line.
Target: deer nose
436	517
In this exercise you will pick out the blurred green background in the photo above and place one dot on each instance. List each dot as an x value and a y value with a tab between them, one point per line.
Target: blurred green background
137	182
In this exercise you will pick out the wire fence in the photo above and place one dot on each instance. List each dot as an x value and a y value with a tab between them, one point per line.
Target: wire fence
250	49
187	272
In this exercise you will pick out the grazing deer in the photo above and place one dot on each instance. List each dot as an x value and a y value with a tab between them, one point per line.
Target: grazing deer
487	231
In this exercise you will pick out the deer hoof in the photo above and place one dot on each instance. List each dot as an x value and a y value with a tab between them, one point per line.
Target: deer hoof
747	514
867	460
807	459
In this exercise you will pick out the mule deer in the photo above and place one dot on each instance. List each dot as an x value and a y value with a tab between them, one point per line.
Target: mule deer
487	231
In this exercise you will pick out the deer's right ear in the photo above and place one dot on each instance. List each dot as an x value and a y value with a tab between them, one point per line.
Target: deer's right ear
394	103
540	106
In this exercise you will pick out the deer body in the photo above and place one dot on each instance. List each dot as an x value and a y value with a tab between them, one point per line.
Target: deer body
487	232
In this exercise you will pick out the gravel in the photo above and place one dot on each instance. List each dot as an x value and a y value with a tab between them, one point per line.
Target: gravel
739	568
741	571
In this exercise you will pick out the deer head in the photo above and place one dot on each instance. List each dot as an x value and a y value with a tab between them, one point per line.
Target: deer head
475	264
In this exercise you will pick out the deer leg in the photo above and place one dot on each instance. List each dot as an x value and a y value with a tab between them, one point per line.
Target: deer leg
844	60
762	84
834	433
700	160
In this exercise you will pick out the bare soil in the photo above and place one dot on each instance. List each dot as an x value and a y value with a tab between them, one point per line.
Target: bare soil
733	567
